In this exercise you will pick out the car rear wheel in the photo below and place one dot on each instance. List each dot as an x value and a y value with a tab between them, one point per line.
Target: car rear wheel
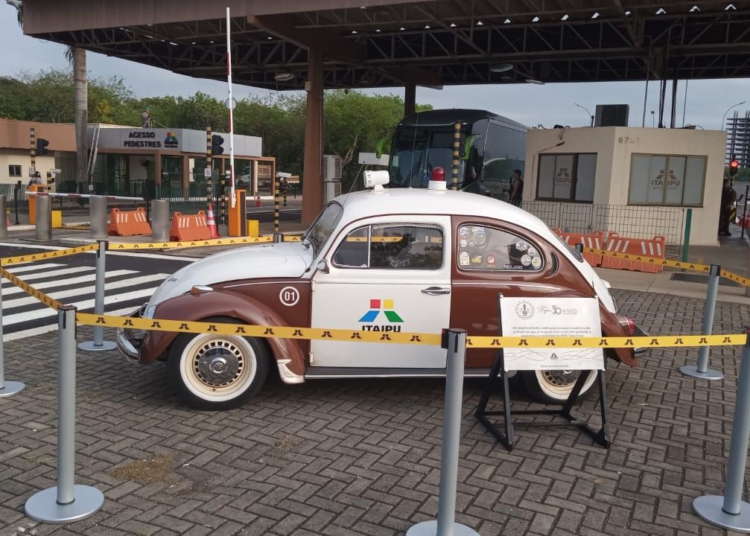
554	386
215	372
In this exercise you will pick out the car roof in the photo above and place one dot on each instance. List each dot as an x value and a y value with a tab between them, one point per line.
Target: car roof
371	203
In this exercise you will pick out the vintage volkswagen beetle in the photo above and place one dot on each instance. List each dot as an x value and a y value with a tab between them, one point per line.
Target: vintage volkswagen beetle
381	260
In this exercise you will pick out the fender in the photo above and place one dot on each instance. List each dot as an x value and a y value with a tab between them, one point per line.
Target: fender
611	327
287	352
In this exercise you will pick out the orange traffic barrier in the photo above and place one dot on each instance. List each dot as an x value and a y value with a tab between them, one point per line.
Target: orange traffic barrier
647	247
187	227
593	240
128	223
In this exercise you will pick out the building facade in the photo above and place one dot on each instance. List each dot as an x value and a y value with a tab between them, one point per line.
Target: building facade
738	139
637	182
130	161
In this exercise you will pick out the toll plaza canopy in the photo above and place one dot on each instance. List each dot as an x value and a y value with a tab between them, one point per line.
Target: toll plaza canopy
318	44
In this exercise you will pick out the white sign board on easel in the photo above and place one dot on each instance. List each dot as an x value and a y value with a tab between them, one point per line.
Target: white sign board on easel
551	317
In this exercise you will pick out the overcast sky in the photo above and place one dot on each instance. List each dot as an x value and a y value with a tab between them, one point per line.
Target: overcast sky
529	104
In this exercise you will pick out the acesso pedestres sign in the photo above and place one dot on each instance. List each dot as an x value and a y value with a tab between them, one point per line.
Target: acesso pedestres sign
153	139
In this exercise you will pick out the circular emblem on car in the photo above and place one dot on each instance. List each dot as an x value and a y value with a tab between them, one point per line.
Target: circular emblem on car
524	310
289	296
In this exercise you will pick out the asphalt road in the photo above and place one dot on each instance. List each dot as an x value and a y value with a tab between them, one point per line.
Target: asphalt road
131	279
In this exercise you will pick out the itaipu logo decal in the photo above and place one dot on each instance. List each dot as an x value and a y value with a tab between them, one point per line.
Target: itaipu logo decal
171	140
378	309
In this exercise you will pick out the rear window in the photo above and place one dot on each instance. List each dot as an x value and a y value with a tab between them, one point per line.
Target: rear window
572	250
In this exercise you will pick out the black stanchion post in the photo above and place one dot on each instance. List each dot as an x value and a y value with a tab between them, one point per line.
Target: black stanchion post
66	502
730	511
454	340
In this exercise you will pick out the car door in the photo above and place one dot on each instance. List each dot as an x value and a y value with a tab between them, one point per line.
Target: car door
385	275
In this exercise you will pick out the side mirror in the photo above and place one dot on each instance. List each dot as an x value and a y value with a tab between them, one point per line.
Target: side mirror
323	266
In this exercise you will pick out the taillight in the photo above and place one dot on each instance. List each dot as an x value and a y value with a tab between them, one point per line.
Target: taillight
627	323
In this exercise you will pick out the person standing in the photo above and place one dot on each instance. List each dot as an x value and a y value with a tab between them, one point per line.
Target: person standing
728	198
516	188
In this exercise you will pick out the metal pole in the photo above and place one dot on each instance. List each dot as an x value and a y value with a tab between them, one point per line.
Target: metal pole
730	511
278	238
98	216
16	191
275	204
456	153
701	370
6	388
99	344
4	221
66	502
43	227
160	223
686	237
446	522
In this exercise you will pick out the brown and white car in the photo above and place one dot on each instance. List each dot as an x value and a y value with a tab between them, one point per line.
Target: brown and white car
382	260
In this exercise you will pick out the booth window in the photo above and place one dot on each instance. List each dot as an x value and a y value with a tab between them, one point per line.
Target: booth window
14	171
667	180
406	247
566	177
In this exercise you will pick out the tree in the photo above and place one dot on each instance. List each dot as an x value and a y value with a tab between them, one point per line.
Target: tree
76	56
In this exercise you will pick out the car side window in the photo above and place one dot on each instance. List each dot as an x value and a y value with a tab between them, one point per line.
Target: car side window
488	249
405	247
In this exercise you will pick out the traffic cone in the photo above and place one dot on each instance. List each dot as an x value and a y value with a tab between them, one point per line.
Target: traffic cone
211	222
258	202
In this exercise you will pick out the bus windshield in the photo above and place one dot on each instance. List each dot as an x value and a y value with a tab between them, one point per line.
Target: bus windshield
417	150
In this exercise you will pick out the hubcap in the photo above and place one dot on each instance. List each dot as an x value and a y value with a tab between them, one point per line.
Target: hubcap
561	378
219	363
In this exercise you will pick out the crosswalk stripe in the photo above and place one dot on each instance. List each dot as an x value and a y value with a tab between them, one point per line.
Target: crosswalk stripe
36	314
32	268
72	281
58	273
81	291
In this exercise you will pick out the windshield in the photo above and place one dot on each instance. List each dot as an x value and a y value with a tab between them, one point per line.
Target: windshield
323	227
417	150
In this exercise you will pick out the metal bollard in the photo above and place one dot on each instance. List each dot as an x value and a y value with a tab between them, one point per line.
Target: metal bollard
730	511
6	388
98	217
66	502
99	344
3	221
160	220
276	205
454	385
278	238
43	228
701	370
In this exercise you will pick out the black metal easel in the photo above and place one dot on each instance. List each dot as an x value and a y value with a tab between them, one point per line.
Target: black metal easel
507	439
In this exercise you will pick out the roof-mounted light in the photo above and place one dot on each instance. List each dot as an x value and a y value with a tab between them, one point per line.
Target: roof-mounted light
437	179
376	179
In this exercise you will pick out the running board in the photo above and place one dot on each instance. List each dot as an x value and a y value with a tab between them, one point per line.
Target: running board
326	373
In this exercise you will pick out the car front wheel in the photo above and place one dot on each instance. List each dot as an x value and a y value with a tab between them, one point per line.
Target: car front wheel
555	386
216	372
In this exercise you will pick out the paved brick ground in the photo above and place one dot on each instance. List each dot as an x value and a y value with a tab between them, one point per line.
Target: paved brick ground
362	457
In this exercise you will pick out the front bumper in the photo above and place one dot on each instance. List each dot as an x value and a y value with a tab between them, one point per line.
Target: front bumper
129	341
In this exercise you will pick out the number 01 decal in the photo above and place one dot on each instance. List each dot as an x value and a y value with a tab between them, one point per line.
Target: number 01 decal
289	296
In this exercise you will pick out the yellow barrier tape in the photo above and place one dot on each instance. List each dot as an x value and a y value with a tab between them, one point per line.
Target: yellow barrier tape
650	260
47	255
119	246
292	238
664	262
429	339
38	294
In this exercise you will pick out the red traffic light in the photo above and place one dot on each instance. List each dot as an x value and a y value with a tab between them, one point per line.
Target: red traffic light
734	164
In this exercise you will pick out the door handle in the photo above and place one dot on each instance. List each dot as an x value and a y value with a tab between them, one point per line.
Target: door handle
436	291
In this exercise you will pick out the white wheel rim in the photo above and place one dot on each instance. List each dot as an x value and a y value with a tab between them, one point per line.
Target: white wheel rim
559	389
218	368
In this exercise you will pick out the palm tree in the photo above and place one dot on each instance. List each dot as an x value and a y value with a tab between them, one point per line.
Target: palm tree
77	58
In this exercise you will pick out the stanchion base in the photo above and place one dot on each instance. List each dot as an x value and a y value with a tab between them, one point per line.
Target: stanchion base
429	528
90	346
43	507
11	388
709	508
692	371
